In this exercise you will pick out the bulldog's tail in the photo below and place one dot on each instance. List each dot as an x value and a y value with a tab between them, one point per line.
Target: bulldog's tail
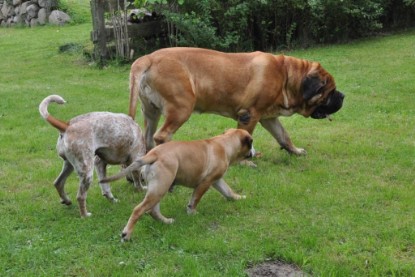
137	74
136	165
43	109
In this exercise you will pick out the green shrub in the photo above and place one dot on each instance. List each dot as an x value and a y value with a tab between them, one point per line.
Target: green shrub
201	25
273	24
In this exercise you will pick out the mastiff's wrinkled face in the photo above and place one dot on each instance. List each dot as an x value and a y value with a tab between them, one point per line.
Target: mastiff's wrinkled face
332	104
320	95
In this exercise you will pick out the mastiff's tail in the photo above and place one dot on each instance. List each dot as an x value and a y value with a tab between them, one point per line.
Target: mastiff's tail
137	76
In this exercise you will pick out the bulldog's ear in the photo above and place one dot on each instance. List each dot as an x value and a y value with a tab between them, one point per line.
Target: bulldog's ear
311	87
247	140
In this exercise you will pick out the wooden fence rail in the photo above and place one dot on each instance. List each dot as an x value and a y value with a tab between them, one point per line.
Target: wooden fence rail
104	36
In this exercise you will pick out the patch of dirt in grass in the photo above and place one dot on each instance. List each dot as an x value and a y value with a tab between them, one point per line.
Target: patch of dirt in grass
275	269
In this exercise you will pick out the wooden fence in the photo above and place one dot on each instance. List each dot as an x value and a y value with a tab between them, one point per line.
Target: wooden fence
113	36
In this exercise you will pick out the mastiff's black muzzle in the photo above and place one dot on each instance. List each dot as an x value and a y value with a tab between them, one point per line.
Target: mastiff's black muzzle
333	103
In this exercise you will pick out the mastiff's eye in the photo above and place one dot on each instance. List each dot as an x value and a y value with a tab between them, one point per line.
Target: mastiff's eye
327	102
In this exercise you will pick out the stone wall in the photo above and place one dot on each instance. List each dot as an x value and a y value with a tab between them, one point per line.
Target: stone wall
31	13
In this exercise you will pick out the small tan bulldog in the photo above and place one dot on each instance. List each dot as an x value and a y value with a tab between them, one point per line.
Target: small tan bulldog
194	164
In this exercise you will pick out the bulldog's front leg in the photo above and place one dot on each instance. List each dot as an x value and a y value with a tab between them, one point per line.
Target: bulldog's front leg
226	190
273	126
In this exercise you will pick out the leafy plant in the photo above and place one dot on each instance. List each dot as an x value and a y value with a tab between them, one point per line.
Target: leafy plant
237	25
152	3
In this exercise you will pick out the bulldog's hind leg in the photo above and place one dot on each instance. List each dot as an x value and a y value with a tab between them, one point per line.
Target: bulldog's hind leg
274	127
156	214
148	203
156	189
139	183
198	192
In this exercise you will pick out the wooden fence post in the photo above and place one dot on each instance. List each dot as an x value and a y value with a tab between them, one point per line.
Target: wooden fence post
99	35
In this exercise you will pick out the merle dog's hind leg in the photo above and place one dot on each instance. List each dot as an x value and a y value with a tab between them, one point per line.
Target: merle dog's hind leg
101	169
60	182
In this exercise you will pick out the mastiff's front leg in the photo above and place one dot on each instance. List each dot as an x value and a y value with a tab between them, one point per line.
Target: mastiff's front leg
273	125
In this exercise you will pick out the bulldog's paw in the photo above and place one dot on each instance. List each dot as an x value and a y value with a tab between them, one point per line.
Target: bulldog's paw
248	163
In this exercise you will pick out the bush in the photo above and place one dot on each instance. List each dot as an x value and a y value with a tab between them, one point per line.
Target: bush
333	20
239	25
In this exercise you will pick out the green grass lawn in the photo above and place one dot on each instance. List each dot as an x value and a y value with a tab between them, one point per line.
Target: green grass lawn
345	209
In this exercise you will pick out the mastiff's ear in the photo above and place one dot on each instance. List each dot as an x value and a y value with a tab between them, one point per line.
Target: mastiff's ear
311	87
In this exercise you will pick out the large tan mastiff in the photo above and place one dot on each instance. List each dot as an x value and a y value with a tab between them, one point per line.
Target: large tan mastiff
248	87
195	164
